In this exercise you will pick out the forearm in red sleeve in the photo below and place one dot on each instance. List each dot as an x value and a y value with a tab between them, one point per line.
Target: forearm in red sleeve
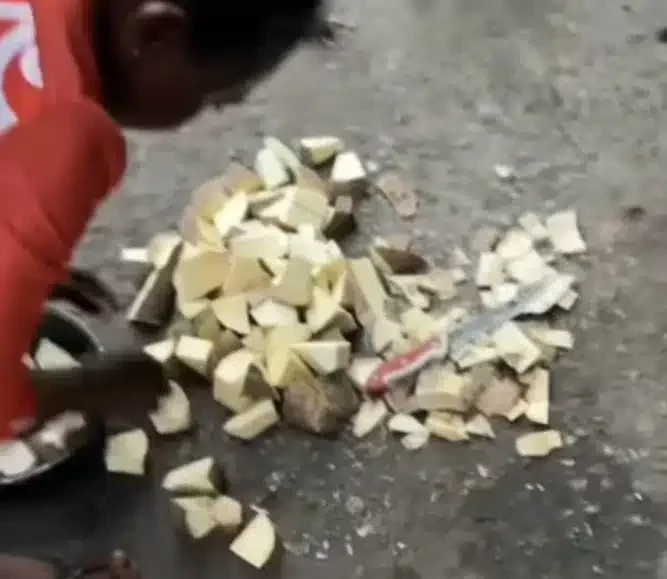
54	172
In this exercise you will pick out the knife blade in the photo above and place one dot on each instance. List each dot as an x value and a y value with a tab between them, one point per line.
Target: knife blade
531	299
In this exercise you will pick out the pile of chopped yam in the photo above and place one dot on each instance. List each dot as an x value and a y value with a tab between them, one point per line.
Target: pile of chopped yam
285	326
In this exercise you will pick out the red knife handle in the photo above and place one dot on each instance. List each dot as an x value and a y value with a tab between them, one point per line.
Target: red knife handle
401	366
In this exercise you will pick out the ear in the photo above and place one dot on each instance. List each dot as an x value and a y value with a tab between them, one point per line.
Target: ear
155	26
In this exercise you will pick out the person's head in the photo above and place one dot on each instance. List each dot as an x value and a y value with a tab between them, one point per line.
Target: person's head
162	61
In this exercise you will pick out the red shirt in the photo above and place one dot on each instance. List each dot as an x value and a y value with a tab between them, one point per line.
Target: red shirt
60	155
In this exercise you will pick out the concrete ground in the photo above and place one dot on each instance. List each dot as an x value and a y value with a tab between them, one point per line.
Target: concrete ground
572	93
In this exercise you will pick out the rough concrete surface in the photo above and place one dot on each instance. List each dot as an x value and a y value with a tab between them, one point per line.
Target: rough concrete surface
571	93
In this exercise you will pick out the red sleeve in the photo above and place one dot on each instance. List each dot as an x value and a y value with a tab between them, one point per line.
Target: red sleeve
54	171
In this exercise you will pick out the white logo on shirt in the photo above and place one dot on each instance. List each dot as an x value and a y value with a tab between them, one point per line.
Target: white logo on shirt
17	41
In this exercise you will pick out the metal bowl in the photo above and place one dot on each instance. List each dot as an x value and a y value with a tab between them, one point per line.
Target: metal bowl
66	329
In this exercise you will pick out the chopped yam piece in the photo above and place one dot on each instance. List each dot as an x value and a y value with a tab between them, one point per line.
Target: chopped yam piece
254	421
284	367
229	380
201	476
153	305
537	396
162	247
371	414
257	542
270	169
135	255
311	179
408	286
362	368
227	513
161	351
200	271
205	325
442	388
324	357
343	291
517	411
231	214
405	424
324	312
568	300
557	288
16	458
298	206
206	200
294	285
513	245
479	425
56	431
275	266
386	335
190	310
126	452
237	177
263	200
282	152
500	295
475	356
270	314
419	326
313	251
173	412
544	335
348	175
489	271
459	275
195	353
329	335
515	348
198	512
232	313
539	444
328	274
447	425
415	440
372	295
285	336
564	233
528	268
50	356
319	150
255	341
267	243
244	275
459	258
533	225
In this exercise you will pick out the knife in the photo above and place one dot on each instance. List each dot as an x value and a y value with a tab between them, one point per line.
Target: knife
532	299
